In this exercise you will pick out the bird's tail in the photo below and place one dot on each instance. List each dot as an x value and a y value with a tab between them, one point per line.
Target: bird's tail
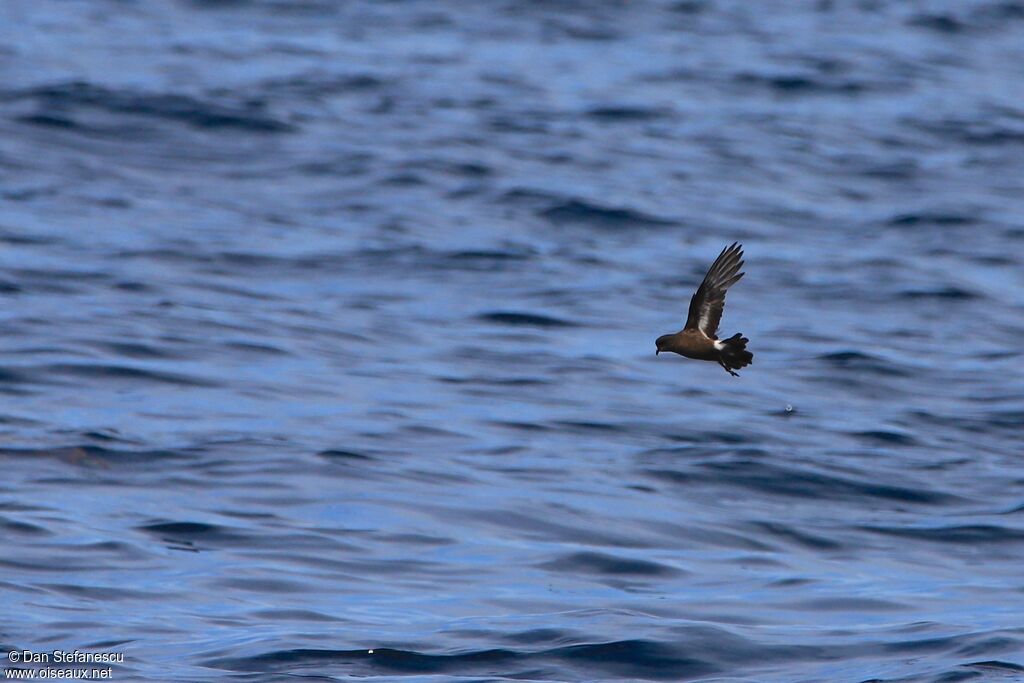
733	353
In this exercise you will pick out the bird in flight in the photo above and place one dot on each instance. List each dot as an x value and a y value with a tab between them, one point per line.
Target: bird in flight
698	339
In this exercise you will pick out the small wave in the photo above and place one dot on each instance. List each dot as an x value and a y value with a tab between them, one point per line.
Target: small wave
795	84
57	100
603	563
12	376
941	23
255	348
137	350
524	319
690	6
482	260
127	373
931	218
490	255
993	666
886	437
412	258
496	381
801	538
344	455
561	210
318	85
626	113
104	594
982	16
799	483
98	456
583	426
197	536
948	292
49	121
14	527
862	362
596	215
284	614
646	659
970	535
12	237
854	605
521	426
188	530
992	130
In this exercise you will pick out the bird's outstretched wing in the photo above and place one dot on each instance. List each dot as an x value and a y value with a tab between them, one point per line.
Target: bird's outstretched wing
709	299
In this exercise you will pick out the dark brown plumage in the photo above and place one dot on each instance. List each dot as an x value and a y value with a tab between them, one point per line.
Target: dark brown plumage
698	339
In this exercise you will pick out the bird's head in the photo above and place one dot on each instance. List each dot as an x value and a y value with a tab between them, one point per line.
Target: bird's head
662	343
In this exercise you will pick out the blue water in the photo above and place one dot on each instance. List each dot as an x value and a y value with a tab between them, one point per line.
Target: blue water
328	327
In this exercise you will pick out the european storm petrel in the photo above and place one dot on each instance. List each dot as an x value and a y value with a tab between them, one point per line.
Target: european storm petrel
697	339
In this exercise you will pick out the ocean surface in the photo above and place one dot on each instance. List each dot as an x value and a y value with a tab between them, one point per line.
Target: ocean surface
327	339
